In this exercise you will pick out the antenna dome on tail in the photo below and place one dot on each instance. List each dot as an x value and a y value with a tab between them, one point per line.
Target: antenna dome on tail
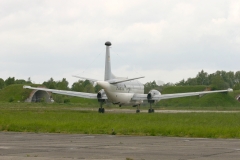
108	43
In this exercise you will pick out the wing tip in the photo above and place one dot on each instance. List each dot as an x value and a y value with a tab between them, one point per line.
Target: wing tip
26	87
230	90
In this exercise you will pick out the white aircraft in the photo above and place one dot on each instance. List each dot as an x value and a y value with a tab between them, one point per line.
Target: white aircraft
122	91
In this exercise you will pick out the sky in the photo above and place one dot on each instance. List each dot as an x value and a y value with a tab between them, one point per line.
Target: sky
163	40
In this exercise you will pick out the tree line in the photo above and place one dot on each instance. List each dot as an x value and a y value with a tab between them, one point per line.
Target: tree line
12	80
80	86
217	80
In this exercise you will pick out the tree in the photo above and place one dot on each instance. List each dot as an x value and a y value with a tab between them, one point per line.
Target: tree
191	81
218	83
97	88
86	82
237	77
202	78
225	77
83	86
236	86
78	86
149	86
230	78
181	83
62	85
50	84
9	81
20	81
2	84
89	88
237	81
168	84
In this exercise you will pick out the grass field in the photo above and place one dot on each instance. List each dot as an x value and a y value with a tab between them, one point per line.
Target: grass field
23	117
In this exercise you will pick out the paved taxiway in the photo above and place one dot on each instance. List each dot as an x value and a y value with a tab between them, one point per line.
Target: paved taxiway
117	110
39	146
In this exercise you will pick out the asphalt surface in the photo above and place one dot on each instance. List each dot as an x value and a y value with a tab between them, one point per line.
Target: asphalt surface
167	111
117	110
40	146
114	110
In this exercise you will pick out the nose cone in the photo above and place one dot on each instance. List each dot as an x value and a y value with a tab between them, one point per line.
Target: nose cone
108	43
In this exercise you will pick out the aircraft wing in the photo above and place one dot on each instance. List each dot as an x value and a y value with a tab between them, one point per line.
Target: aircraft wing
176	95
68	93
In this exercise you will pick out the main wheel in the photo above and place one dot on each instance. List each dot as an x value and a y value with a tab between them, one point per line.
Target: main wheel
137	111
101	110
150	110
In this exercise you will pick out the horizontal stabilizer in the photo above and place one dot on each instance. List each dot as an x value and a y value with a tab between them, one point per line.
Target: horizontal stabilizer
92	80
123	80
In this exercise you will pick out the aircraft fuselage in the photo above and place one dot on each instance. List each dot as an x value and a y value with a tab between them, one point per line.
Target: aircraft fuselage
122	93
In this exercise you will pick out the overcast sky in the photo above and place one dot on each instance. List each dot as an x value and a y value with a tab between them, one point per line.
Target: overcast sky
159	39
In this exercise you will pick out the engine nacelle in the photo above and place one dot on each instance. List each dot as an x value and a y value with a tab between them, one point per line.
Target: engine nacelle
101	93
151	94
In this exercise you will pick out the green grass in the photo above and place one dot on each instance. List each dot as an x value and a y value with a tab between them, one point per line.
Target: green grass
69	118
83	101
182	89
62	119
15	92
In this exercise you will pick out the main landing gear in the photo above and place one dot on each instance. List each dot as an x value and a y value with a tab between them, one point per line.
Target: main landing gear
101	110
138	109
150	110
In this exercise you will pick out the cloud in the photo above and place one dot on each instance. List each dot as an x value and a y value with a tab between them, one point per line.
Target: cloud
44	39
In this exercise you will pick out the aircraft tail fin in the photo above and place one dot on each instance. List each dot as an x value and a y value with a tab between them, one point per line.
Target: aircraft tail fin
108	73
